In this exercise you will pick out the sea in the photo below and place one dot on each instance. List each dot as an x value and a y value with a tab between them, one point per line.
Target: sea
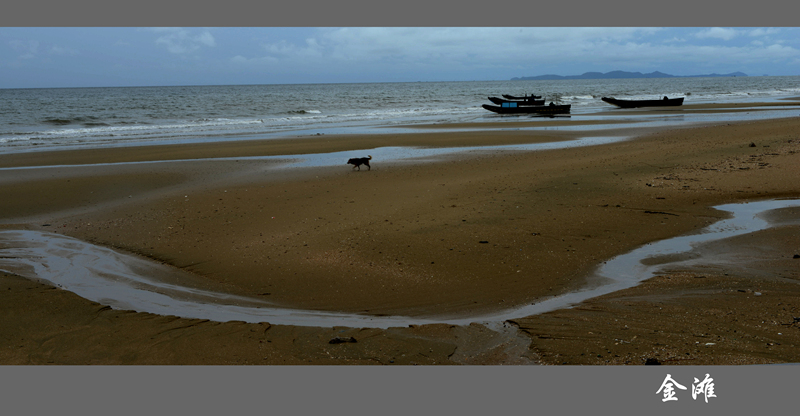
64	118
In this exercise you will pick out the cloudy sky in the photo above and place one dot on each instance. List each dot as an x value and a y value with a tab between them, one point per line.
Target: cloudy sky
32	57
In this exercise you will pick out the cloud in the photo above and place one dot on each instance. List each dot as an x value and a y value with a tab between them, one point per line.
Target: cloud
377	54
183	41
759	32
675	39
243	61
442	46
717	33
780	51
28	48
285	49
497	53
60	50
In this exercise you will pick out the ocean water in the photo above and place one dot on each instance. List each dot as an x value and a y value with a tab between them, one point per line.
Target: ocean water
48	118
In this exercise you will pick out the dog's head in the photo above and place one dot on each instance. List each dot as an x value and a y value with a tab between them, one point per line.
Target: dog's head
352	162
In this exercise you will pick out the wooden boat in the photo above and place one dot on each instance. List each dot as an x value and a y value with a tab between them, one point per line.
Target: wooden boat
500	101
526	97
664	102
514	108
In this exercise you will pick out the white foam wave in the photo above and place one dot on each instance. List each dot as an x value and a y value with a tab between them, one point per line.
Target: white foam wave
14	139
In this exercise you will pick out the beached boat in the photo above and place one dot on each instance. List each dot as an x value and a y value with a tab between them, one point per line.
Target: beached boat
500	101
513	108
664	102
525	97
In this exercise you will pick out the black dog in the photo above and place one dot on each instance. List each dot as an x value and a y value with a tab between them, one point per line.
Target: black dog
358	161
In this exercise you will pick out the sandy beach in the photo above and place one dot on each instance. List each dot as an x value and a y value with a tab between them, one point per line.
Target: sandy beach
457	235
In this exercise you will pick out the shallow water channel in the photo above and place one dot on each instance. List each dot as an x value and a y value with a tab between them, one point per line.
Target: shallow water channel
128	282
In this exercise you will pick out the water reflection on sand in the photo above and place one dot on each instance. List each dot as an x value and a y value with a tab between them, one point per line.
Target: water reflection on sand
128	282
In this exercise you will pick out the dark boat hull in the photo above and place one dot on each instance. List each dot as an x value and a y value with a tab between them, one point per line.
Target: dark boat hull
500	101
529	109
666	102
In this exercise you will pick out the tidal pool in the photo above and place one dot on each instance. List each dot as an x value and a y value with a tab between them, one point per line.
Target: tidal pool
128	282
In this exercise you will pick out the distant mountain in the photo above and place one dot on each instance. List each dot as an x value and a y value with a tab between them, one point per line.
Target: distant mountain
622	74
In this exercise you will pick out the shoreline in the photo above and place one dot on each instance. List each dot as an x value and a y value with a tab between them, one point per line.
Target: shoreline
638	120
399	238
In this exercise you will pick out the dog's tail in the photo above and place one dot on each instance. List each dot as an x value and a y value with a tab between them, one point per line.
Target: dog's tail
370	157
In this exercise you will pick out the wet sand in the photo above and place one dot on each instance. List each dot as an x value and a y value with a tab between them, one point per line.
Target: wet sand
462	235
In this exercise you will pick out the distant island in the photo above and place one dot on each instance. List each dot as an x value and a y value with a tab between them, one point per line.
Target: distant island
622	74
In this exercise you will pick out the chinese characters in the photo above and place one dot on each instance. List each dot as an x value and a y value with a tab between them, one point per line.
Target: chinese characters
704	388
668	386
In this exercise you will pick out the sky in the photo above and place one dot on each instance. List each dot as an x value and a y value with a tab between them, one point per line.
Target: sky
42	57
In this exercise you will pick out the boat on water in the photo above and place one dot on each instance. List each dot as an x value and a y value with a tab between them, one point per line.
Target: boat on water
664	102
524	97
514	108
500	101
